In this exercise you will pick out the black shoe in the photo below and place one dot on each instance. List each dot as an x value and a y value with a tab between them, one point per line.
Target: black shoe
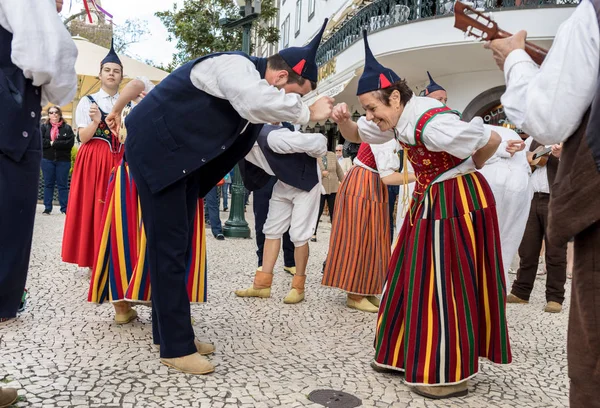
313	239
63	212
220	237
225	209
46	212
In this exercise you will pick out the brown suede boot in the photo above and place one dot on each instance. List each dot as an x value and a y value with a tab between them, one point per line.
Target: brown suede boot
296	295
7	396
261	287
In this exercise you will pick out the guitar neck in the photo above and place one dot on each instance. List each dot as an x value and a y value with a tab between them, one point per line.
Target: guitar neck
537	54
542	152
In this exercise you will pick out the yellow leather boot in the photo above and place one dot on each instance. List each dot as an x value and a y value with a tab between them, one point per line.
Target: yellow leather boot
261	287
296	295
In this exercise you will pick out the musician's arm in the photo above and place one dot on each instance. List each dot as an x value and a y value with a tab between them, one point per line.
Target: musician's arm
548	102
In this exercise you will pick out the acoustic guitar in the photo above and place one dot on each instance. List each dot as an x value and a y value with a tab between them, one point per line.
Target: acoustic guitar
540	157
122	128
478	25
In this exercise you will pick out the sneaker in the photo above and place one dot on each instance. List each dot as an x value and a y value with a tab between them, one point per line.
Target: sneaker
313	239
47	212
220	237
23	301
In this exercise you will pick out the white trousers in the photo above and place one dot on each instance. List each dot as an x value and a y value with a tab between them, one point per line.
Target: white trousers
510	184
295	209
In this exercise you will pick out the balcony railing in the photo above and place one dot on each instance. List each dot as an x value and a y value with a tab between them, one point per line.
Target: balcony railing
382	14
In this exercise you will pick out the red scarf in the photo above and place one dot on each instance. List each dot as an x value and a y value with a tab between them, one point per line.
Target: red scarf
54	130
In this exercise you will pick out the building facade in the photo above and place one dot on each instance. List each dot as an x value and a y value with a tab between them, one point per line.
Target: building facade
413	37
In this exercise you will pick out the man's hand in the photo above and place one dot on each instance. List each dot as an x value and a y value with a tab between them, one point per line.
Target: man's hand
341	113
113	120
95	114
513	146
504	46
557	150
321	109
325	173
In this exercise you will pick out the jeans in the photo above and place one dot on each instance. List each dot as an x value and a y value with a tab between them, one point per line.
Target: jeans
56	173
224	193
212	208
393	192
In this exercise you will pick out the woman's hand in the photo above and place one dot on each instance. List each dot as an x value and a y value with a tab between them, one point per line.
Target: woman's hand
325	173
557	150
95	114
341	113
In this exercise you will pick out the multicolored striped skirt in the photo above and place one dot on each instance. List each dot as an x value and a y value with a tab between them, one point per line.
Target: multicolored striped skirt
444	299
359	247
121	271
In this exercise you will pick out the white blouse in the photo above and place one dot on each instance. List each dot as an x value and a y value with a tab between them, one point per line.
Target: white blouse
444	132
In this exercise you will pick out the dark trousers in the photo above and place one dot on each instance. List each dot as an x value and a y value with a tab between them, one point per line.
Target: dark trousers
212	208
56	173
168	219
393	192
330	198
529	252
18	198
261	209
583	344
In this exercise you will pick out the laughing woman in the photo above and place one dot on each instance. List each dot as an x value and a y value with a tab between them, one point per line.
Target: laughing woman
443	303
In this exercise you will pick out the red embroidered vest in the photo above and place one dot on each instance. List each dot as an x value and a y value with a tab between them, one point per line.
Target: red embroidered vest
428	166
365	155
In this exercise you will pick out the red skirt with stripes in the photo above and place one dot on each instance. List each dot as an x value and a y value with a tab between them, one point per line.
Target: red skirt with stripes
359	247
444	299
89	183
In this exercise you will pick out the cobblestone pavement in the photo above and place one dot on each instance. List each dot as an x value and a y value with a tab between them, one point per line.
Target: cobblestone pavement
63	351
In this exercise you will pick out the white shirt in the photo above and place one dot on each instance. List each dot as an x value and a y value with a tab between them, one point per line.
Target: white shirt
548	102
105	103
284	141
386	158
41	47
539	178
444	132
235	78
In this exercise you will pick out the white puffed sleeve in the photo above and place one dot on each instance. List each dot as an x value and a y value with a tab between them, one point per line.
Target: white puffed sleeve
386	157
370	133
447	133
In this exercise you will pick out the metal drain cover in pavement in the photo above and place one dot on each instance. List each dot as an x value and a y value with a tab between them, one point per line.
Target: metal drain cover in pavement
334	399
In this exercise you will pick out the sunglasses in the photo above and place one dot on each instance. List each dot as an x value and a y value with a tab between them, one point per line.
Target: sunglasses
53	112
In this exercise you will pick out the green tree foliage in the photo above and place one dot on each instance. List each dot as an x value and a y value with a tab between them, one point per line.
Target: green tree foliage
195	27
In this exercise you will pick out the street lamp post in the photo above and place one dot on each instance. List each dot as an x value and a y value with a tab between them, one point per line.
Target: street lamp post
236	226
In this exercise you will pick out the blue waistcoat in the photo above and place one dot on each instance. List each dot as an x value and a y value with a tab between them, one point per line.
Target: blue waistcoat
296	169
177	129
20	105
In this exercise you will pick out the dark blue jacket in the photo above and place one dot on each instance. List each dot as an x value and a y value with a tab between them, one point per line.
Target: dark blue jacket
296	169
178	129
20	104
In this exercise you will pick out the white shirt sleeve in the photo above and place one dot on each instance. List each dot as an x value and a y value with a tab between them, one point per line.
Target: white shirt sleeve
41	47
284	141
447	133
235	78
386	157
82	114
370	133
548	102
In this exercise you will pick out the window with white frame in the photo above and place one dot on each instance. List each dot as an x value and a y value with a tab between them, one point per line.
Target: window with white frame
298	16
285	32
311	9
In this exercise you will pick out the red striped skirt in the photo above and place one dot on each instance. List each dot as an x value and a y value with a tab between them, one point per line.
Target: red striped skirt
444	299
359	247
89	183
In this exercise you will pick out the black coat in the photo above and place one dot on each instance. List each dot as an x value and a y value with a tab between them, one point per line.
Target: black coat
60	150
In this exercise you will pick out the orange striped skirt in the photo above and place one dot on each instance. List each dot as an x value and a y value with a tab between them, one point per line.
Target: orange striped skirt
359	247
